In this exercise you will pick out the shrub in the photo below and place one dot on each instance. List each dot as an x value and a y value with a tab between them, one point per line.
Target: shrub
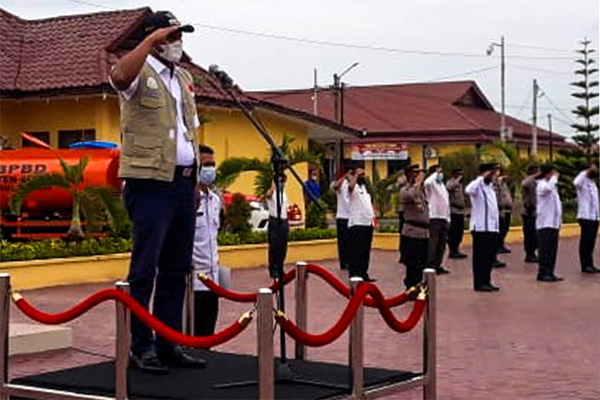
237	215
316	217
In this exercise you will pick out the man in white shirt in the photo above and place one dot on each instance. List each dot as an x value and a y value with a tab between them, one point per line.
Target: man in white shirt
340	186
360	225
548	221
205	258
439	217
278	229
484	226
588	214
158	164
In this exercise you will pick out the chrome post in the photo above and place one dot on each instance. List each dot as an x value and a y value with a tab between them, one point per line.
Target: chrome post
189	309
355	351
301	306
122	345
266	365
4	324
429	338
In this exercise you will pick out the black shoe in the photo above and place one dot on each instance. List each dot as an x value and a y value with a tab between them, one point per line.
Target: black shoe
558	278
590	270
441	270
498	264
369	279
148	362
494	288
549	278
504	250
458	255
484	288
531	259
176	357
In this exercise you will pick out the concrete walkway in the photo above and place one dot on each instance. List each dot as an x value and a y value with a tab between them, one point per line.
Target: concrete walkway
529	341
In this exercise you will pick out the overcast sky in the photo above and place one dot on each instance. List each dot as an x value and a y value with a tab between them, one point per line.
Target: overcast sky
540	38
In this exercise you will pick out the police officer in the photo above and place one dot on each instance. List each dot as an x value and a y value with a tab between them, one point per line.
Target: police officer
548	221
587	216
340	186
529	209
439	217
400	183
158	164
484	226
457	213
415	230
278	229
505	203
205	257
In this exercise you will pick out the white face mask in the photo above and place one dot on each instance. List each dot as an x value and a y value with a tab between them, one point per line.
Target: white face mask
171	51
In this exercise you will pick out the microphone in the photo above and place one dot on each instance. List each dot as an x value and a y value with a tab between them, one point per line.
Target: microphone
221	75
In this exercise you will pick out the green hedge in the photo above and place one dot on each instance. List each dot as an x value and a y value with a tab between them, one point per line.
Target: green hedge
20	251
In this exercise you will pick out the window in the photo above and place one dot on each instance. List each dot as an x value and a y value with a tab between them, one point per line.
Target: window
65	138
43	136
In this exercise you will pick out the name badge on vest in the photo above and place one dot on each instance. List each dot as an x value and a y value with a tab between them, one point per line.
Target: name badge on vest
151	83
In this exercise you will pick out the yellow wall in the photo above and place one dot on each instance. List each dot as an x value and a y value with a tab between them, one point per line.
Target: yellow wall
57	114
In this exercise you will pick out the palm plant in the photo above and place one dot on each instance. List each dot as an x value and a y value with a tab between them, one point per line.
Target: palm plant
230	169
91	201
381	191
512	163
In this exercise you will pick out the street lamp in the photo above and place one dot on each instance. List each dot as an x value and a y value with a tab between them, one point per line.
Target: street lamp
338	88
489	52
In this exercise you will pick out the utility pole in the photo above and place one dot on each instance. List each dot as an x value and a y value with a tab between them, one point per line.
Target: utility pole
338	88
315	94
534	138
551	136
336	99
490	50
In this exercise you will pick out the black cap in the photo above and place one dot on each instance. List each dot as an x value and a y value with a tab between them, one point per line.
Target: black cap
164	19
457	171
487	167
532	168
545	169
412	168
433	168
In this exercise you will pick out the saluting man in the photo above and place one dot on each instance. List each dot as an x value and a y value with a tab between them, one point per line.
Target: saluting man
279	227
340	186
548	222
158	164
529	209
415	230
484	226
439	218
457	213
205	256
588	214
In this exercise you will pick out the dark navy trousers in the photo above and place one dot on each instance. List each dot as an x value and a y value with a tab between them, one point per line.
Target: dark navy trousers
163	232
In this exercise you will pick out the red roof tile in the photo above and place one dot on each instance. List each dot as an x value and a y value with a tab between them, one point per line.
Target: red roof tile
442	111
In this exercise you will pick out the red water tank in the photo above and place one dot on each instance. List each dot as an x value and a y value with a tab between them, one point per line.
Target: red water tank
19	165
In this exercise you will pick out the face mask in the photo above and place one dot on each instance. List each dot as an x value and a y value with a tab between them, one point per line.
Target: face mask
361	180
314	177
487	180
593	174
207	175
440	176
171	51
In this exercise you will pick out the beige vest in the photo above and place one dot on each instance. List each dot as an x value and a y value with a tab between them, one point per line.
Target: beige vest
149	126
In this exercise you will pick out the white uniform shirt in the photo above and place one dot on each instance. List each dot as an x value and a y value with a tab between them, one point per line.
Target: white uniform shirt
360	207
343	204
484	206
587	197
272	205
185	149
549	207
205	257
438	198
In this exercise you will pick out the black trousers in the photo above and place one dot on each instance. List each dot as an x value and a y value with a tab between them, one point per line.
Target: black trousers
415	259
163	216
484	253
342	242
504	223
277	233
360	238
456	232
529	236
400	226
587	242
548	247
438	237
206	310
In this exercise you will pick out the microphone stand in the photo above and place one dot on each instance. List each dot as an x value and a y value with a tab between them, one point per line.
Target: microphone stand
279	162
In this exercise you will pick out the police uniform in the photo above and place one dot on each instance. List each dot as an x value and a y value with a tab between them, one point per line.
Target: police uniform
484	226
529	209
341	222
439	220
205	260
360	230
588	214
277	232
415	233
548	222
457	215
505	203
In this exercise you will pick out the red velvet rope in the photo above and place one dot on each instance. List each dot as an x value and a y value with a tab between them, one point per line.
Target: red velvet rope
244	297
140	312
363	290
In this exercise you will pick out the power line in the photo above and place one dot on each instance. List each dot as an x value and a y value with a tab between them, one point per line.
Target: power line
526	46
528	68
522	107
475	71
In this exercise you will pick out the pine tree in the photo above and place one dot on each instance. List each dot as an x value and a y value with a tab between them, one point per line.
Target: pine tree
586	136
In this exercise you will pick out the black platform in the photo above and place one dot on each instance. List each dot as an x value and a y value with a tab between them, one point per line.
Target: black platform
192	384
